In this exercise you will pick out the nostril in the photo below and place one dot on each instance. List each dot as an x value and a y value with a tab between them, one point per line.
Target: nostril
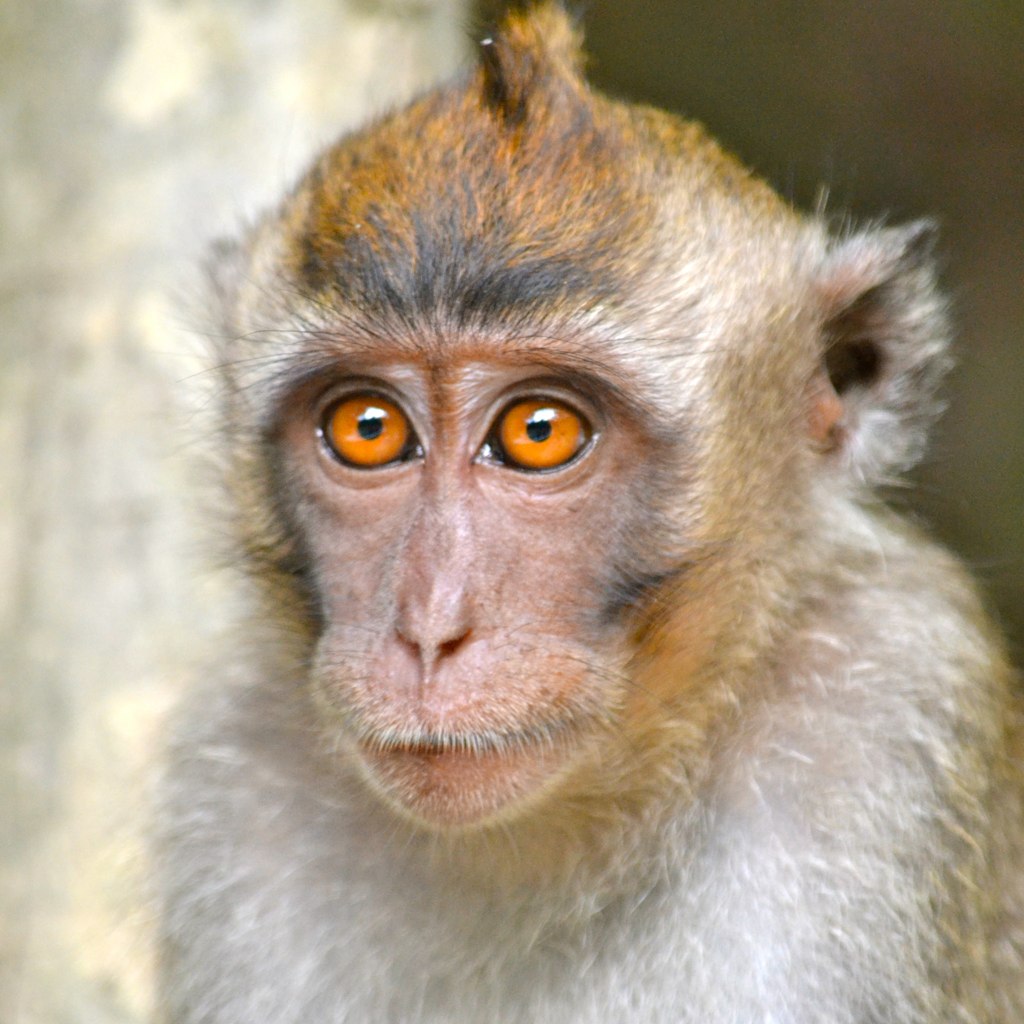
408	643
449	647
428	652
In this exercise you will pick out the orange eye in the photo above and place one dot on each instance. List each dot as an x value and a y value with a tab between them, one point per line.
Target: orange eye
366	431
539	433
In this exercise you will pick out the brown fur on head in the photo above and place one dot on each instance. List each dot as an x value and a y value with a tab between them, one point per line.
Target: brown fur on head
515	186
516	227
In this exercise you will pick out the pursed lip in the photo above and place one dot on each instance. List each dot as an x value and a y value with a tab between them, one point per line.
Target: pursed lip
481	742
454	779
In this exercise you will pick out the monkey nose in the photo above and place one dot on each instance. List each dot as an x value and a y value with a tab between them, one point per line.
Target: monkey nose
436	627
431	648
434	612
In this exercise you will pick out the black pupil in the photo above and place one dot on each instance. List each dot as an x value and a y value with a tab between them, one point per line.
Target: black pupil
371	424
539	429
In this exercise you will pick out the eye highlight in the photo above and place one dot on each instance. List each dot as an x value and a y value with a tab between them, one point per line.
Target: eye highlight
366	431
541	433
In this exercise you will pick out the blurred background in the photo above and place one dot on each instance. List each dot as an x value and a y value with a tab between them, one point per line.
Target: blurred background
132	132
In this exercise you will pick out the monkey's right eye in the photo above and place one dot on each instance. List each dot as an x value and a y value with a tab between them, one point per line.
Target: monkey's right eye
367	431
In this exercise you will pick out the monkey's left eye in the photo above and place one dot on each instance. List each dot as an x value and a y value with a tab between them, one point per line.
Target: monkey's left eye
367	431
541	434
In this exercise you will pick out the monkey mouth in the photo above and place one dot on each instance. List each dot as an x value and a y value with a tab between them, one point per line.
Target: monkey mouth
453	779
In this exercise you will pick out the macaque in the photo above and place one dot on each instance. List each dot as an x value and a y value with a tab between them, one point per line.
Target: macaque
584	676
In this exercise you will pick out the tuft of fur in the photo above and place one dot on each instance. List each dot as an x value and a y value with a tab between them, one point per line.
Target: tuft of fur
531	47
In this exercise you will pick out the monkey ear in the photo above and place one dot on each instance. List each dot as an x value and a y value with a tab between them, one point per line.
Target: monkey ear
884	349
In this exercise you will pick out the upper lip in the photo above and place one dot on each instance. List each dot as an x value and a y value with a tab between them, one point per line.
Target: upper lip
418	740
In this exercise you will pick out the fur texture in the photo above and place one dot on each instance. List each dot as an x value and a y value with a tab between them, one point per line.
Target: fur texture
801	802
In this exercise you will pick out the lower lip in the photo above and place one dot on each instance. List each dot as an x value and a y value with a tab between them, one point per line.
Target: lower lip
462	788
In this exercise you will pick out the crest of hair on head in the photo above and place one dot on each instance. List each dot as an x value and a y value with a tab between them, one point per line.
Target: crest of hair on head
535	45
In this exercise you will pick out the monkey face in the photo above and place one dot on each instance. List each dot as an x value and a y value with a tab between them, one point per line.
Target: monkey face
506	380
467	659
